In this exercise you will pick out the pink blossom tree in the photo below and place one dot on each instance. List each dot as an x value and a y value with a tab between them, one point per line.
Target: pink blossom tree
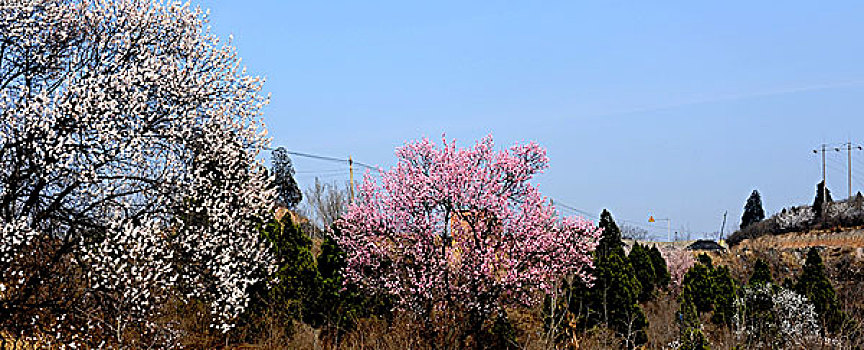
462	228
679	261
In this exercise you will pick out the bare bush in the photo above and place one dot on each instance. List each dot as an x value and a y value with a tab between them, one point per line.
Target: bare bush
325	202
634	232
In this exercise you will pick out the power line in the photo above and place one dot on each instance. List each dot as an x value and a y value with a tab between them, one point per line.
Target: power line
565	206
322	176
327	173
649	228
330	159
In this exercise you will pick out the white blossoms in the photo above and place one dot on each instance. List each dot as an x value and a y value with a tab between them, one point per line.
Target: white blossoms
128	168
772	316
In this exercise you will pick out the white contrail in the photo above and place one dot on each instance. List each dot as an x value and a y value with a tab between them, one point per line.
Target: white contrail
735	97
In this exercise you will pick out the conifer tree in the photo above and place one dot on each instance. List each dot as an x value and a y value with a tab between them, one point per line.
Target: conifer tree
858	202
336	304
288	193
761	273
295	277
644	270
613	299
296	272
753	211
691	336
823	195
814	284
711	289
725	292
704	259
610	241
698	278
688	316
662	277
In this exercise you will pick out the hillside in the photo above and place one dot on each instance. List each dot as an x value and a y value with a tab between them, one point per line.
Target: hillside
836	217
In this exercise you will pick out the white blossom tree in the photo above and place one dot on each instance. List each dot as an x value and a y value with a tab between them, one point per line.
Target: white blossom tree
129	137
770	316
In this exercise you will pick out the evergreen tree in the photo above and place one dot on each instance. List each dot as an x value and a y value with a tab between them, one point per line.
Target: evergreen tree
335	305
691	337
661	270
753	211
858	201
295	279
699	282
704	259
761	273
814	284
296	274
288	194
644	270
687	315
616	289
613	299
711	289
610	241
725	292
822	197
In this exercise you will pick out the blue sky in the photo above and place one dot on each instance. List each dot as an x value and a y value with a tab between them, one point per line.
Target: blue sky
672	109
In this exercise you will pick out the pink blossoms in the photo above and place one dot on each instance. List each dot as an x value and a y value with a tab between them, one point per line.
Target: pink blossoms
462	227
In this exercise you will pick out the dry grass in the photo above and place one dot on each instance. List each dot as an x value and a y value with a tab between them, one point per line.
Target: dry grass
10	343
848	238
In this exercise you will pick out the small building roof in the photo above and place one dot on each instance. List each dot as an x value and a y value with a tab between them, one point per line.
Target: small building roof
704	244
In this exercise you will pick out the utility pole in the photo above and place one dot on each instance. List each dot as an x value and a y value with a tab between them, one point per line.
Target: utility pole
850	168
723	227
824	182
849	148
824	177
668	225
351	172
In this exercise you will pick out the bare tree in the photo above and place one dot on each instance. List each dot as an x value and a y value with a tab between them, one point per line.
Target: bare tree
634	232
325	202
